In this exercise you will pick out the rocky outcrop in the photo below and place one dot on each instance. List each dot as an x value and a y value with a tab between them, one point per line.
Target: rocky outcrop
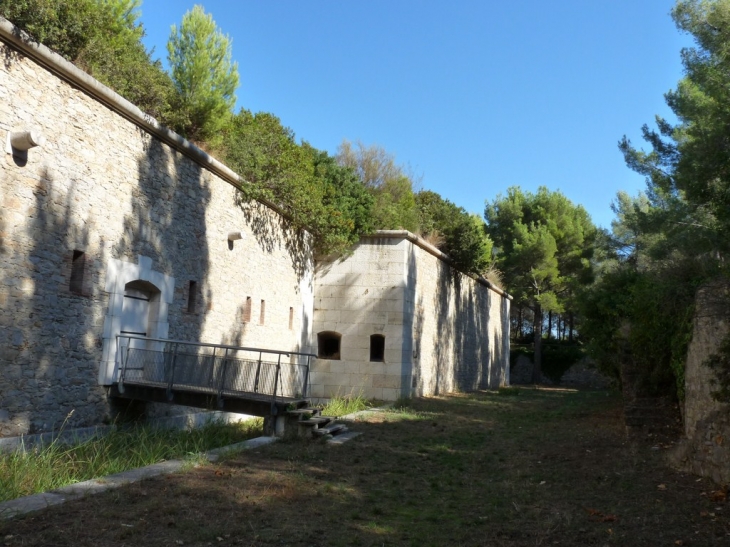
706	449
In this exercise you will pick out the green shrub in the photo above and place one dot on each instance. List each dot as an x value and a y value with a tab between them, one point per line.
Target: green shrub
557	357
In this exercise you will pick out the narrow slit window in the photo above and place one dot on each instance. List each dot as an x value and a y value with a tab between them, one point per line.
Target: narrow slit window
291	318
192	296
247	310
328	345
78	261
262	315
377	347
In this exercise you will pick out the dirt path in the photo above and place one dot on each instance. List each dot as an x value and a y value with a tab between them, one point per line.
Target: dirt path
536	468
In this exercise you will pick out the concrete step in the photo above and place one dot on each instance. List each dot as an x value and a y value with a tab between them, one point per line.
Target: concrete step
312	424
317	420
333	429
305	412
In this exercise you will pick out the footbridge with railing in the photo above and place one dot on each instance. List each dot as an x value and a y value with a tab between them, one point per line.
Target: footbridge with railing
260	382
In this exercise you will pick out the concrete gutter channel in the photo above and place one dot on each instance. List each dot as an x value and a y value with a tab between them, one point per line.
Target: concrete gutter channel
37	502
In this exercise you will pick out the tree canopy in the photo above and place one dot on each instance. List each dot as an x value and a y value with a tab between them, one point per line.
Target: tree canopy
688	167
544	247
389	183
308	185
666	242
104	38
205	76
337	199
459	234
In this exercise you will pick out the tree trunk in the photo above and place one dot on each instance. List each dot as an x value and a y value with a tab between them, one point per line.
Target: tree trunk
537	367
520	332
558	328
570	330
561	327
550	325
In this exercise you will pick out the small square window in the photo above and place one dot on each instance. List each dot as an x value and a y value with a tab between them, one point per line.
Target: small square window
377	347
328	345
247	310
192	296
78	263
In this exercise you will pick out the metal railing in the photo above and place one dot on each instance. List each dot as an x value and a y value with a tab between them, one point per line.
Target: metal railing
213	369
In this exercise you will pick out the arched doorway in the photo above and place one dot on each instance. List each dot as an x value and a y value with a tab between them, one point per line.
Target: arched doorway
138	308
139	298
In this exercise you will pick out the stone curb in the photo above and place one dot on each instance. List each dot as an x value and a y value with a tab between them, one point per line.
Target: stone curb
362	413
343	438
37	502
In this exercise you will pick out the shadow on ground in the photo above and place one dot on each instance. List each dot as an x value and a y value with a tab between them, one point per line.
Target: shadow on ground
524	467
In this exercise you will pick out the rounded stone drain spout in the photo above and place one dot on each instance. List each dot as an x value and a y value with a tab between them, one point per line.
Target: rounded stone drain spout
24	140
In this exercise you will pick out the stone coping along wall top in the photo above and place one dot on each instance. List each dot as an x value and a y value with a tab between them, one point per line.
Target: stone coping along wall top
23	42
426	246
67	71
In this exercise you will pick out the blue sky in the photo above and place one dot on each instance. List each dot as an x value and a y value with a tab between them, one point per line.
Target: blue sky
475	96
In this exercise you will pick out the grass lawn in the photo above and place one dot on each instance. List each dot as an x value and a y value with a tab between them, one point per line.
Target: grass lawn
39	469
517	468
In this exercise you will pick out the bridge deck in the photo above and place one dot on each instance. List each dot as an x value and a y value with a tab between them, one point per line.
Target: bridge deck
255	404
233	379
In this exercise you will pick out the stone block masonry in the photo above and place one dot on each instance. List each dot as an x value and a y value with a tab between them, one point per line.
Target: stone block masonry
112	192
440	331
115	224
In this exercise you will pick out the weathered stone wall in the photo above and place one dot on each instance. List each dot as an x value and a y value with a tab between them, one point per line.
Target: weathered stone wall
460	329
359	296
442	333
706	449
103	186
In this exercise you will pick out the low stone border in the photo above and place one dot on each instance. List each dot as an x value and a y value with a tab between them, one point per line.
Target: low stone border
343	438
36	502
79	434
362	413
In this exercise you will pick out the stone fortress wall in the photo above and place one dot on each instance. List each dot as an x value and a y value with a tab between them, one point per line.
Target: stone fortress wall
113	209
104	202
460	327
443	331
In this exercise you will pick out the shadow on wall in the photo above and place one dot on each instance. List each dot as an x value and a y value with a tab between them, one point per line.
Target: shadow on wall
47	340
167	223
463	339
411	329
445	342
268	227
272	232
503	337
52	350
417	385
11	56
49	343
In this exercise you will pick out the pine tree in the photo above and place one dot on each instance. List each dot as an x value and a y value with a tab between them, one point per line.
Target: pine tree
205	76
